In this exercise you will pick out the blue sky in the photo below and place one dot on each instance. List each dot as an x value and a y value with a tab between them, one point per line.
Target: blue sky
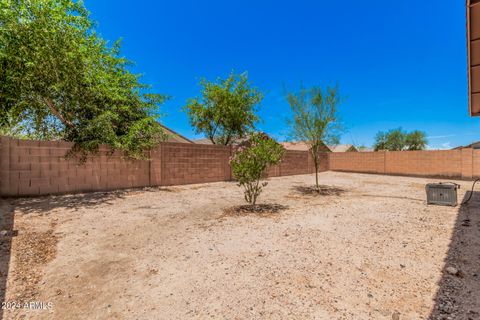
399	64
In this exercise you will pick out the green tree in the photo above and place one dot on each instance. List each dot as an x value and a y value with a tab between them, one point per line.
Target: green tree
416	140
315	119
398	140
60	80
226	110
380	141
251	160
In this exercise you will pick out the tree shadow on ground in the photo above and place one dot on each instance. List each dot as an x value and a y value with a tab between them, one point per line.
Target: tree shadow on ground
6	234
324	190
45	204
458	295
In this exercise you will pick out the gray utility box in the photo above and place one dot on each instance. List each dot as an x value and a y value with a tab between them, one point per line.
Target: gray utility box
442	193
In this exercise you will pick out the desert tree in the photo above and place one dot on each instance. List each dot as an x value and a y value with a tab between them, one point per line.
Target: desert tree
416	140
250	161
396	139
61	80
226	110
399	140
380	141
315	119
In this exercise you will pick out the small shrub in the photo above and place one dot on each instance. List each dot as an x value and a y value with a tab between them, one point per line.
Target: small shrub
251	160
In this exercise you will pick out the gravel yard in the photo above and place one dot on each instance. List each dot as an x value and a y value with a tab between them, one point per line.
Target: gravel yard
367	247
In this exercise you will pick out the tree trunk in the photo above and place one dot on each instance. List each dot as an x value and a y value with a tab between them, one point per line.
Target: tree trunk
255	193
227	141
52	108
315	162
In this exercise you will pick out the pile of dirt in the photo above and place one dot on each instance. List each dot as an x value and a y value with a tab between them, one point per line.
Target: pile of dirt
262	210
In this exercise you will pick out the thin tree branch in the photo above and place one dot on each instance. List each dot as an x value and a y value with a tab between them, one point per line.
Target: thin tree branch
52	108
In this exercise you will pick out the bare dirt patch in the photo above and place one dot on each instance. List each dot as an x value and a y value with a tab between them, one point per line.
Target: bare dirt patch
373	251
33	251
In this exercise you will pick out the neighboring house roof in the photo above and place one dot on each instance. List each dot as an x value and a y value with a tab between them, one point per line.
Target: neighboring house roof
366	150
203	141
234	142
473	145
175	136
343	148
301	146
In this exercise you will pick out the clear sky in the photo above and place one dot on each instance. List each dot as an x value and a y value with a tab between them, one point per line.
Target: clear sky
399	63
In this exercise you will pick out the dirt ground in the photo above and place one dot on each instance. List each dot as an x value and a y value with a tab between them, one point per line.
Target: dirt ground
367	247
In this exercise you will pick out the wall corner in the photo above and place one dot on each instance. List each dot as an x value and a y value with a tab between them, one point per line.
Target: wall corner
5	166
467	163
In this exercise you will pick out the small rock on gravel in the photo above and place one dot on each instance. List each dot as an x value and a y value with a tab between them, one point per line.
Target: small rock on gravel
452	270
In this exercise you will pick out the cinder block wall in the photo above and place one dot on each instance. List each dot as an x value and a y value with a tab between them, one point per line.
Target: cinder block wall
30	168
426	163
475	163
461	164
367	162
40	167
183	163
294	162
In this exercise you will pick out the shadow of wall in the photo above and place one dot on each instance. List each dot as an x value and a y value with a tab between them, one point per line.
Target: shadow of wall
6	234
458	295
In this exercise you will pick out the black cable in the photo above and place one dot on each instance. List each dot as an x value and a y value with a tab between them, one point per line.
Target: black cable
471	193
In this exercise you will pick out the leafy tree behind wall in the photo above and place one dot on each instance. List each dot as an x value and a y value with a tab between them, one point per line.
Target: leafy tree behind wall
398	140
60	80
416	140
315	119
226	110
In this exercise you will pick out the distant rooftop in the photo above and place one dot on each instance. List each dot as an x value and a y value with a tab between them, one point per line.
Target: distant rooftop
365	150
203	141
473	145
301	146
343	148
175	136
234	141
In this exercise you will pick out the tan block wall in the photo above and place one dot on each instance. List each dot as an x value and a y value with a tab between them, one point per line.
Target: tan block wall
324	164
467	163
294	162
30	168
464	164
183	163
446	163
40	167
4	164
298	162
368	162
